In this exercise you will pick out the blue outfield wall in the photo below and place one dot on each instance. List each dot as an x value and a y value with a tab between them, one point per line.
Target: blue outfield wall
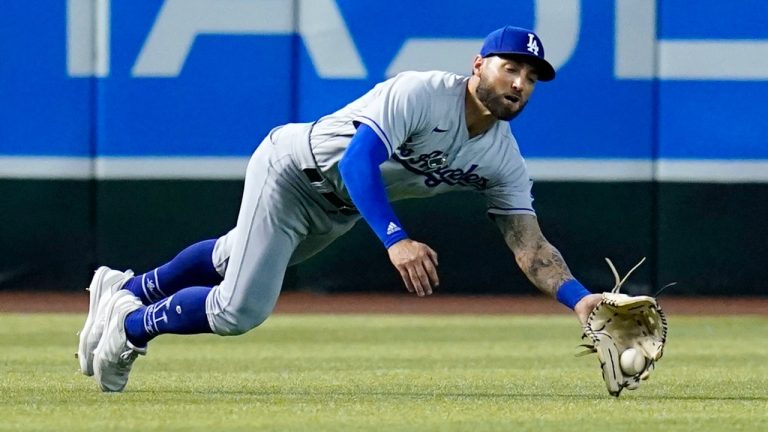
211	77
102	98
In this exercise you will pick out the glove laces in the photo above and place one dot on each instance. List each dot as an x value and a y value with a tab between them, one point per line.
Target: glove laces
620	281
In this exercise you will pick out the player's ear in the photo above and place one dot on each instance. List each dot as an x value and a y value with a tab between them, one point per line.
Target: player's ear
477	64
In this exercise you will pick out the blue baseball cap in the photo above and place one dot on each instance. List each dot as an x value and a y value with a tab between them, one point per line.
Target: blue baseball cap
519	42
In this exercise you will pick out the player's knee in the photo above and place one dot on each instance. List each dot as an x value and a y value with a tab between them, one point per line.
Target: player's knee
237	321
242	326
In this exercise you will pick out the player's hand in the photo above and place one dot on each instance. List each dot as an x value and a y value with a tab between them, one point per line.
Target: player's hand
585	306
417	264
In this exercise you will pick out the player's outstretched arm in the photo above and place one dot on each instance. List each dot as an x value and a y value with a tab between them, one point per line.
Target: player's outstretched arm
416	262
541	262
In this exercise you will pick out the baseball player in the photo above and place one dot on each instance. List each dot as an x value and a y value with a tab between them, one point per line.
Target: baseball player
415	135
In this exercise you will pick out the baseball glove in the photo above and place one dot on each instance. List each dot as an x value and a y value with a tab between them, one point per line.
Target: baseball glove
619	323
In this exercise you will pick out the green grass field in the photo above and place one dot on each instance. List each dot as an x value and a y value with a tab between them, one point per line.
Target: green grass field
372	372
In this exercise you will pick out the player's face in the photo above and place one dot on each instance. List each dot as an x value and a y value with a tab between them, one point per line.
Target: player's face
505	86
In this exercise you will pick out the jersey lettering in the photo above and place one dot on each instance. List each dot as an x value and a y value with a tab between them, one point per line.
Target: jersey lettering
436	174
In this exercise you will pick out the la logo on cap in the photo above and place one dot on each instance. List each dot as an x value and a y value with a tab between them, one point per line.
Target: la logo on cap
533	46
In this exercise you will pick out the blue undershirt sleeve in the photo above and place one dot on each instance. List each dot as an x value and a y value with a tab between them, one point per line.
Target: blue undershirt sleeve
359	168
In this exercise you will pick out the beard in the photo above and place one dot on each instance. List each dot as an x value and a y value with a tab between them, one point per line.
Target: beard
496	103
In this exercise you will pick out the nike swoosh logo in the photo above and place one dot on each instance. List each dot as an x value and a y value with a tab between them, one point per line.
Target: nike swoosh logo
438	130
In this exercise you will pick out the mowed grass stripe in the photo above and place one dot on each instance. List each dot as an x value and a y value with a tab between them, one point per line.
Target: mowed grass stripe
374	372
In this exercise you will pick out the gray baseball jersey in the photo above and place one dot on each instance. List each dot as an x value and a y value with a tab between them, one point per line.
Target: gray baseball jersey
420	118
284	218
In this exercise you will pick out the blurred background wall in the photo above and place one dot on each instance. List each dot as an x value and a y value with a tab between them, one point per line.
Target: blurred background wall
125	128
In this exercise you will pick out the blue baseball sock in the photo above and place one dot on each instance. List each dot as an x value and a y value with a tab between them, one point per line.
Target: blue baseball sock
191	267
181	313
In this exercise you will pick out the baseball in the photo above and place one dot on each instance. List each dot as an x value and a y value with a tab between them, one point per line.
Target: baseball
632	361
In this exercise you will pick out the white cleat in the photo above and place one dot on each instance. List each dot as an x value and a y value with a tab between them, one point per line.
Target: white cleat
104	284
114	355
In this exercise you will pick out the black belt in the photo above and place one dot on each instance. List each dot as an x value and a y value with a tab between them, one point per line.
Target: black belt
314	176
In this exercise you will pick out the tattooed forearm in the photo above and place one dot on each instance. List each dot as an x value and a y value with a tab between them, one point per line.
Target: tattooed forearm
544	267
541	262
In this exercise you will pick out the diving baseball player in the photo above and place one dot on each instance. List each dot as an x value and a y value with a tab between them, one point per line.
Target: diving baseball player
415	135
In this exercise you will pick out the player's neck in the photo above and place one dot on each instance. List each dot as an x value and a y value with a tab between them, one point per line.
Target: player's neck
477	116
